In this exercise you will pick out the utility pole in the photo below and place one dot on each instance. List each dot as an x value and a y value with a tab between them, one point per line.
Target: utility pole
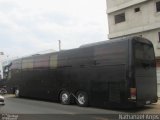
59	43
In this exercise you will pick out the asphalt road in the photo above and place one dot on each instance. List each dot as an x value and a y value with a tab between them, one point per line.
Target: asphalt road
28	109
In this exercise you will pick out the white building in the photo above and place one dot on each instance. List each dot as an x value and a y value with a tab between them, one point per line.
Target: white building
136	17
2	57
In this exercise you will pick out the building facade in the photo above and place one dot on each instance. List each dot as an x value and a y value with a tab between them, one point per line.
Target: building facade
136	17
2	56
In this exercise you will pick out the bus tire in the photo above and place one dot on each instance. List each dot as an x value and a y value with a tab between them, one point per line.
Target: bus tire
65	98
82	99
16	92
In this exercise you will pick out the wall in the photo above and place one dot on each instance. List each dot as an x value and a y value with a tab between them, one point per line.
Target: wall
115	5
144	20
145	23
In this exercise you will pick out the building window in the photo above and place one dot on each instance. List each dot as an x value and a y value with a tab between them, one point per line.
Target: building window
119	18
158	6
136	9
159	37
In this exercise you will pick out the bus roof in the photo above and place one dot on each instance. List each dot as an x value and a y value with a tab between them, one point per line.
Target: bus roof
116	40
108	41
94	44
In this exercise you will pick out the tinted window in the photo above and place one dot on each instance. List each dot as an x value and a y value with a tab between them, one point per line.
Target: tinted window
27	63
41	61
111	53
16	64
144	60
53	61
144	51
80	57
63	59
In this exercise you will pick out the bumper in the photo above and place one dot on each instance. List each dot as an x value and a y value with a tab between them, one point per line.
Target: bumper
2	103
145	102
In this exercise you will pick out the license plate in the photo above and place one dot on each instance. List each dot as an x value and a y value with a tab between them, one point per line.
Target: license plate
148	102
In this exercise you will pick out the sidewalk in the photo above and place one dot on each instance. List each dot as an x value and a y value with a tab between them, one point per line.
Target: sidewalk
158	101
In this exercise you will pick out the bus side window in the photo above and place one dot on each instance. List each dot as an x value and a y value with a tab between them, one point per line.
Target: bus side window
41	61
16	64
53	61
27	63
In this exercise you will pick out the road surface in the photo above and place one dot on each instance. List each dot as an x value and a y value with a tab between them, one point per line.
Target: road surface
25	109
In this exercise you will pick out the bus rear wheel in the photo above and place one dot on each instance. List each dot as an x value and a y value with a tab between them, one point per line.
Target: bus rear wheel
65	98
82	99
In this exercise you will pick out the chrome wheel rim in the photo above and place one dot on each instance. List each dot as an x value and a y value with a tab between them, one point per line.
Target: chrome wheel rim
17	93
81	99
65	97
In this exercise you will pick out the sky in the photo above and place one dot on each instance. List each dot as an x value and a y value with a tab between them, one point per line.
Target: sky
31	26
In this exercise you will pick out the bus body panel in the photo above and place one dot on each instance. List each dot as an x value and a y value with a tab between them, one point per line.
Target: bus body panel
104	71
145	72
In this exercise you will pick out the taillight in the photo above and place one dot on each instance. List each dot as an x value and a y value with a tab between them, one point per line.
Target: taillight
133	92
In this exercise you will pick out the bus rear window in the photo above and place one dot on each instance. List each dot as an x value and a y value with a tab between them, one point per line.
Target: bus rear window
144	51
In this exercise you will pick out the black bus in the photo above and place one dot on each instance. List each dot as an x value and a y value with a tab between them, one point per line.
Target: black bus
113	73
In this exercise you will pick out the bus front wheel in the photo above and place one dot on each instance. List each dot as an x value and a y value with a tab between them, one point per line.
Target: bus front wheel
17	92
65	98
82	99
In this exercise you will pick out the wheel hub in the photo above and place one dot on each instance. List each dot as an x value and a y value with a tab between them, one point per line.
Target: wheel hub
81	99
17	92
64	97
